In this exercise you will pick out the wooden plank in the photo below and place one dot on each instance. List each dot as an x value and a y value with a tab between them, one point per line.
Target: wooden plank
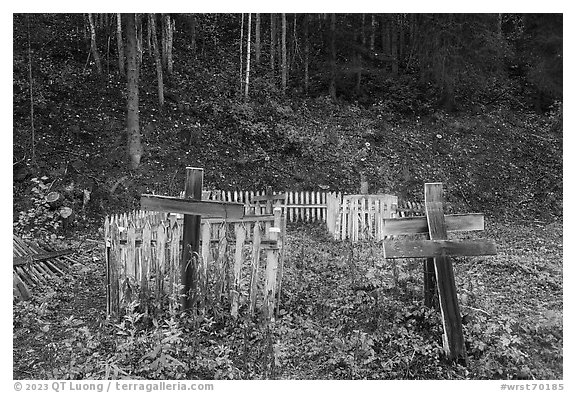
272	268
159	264
145	262
240	232
453	338
254	268
192	206
438	248
413	225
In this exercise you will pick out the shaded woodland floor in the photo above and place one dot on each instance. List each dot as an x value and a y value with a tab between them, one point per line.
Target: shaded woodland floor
346	314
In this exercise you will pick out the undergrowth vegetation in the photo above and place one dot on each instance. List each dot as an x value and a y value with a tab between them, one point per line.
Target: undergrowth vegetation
346	313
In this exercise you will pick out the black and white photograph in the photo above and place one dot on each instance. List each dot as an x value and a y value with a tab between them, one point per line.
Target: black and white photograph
299	197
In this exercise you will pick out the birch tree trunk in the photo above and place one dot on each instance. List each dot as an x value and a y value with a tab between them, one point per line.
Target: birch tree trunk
132	76
306	54
93	47
247	84
121	58
272	41
170	46
284	62
257	40
241	53
157	60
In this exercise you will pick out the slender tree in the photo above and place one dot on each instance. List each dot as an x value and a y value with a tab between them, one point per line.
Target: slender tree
170	46
157	60
139	38
272	41
306	53
257	40
120	42
93	47
31	84
284	61
372	32
332	87
241	53
132	76
247	84
193	25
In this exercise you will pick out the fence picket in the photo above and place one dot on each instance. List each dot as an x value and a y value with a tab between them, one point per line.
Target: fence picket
255	262
240	232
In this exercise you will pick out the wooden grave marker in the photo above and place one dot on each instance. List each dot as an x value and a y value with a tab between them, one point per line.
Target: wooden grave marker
193	208
438	271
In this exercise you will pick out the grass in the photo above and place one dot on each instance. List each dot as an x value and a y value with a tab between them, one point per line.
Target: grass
346	314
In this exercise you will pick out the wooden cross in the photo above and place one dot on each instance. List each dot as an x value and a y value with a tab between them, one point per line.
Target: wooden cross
438	265
193	209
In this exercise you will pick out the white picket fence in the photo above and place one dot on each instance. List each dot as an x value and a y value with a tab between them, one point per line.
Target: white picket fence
347	217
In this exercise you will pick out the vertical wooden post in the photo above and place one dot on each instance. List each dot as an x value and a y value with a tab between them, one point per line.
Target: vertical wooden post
429	282
191	239
453	338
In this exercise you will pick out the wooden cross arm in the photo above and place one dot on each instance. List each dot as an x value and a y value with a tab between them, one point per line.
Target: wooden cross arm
454	223
437	248
206	209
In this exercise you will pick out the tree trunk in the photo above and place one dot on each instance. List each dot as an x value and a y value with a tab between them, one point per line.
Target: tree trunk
241	53
284	62
132	76
272	42
372	33
193	23
394	45
170	45
139	37
157	60
149	36
165	40
121	58
93	47
332	88
306	54
257	40
358	56
31	84
247	84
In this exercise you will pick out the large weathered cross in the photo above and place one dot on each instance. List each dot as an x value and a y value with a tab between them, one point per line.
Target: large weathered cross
193	208
438	265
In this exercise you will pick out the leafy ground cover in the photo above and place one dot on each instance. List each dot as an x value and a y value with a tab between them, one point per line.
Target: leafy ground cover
346	314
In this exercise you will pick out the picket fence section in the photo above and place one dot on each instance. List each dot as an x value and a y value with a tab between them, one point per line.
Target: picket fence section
298	206
240	265
347	217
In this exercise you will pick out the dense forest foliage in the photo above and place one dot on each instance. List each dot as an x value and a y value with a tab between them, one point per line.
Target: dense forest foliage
308	101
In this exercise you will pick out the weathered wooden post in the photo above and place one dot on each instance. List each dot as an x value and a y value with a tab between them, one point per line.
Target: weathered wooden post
191	238
438	264
193	209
